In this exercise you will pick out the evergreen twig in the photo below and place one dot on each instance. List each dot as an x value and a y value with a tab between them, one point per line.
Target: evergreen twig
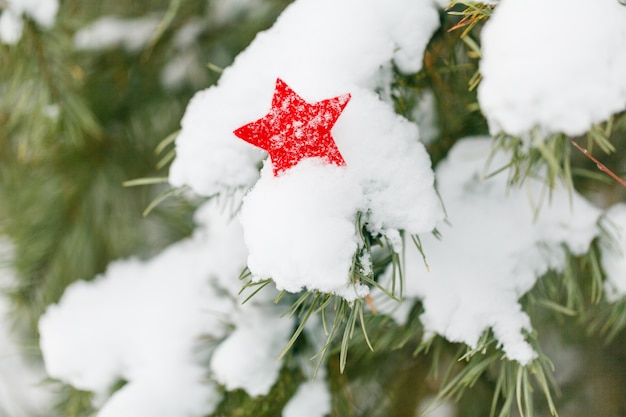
471	15
600	165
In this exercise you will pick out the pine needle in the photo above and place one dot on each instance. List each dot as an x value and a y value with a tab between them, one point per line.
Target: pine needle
162	197
166	142
145	181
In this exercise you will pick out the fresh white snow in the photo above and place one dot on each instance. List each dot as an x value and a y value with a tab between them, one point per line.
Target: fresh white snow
11	26
248	357
111	32
432	408
23	392
299	228
564	74
148	322
41	11
222	12
321	48
613	253
312	399
492	250
144	321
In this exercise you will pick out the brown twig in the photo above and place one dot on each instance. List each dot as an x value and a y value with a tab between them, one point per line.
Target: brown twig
600	165
370	303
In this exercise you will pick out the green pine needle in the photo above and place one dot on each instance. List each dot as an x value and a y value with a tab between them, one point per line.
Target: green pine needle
145	181
166	142
514	383
162	197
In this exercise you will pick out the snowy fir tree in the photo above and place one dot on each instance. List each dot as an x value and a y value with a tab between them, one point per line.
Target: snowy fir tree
308	208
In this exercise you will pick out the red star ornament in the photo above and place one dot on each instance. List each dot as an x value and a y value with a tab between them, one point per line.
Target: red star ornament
294	129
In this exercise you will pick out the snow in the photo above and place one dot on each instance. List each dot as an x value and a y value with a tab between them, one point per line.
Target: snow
41	11
492	251
432	408
345	52
186	65
294	130
613	250
426	117
222	12
183	68
189	33
11	26
564	75
312	399
110	32
247	359
172	327
299	228
143	321
22	389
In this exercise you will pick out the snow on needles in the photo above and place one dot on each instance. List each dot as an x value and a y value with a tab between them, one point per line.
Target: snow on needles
11	24
564	75
299	228
22	391
110	32
492	251
321	48
312	399
141	322
613	250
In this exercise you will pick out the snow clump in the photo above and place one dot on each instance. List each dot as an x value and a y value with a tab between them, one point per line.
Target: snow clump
11	24
563	76
143	323
299	228
493	248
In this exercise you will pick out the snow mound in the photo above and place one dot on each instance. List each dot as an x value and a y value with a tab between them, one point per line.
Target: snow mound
142	322
299	228
322	49
564	75
492	251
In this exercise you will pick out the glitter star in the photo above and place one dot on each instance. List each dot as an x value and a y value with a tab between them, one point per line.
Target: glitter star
294	129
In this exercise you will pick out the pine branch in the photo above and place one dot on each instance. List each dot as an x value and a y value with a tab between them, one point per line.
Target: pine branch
471	15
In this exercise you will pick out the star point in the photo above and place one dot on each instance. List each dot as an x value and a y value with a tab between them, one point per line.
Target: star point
294	129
